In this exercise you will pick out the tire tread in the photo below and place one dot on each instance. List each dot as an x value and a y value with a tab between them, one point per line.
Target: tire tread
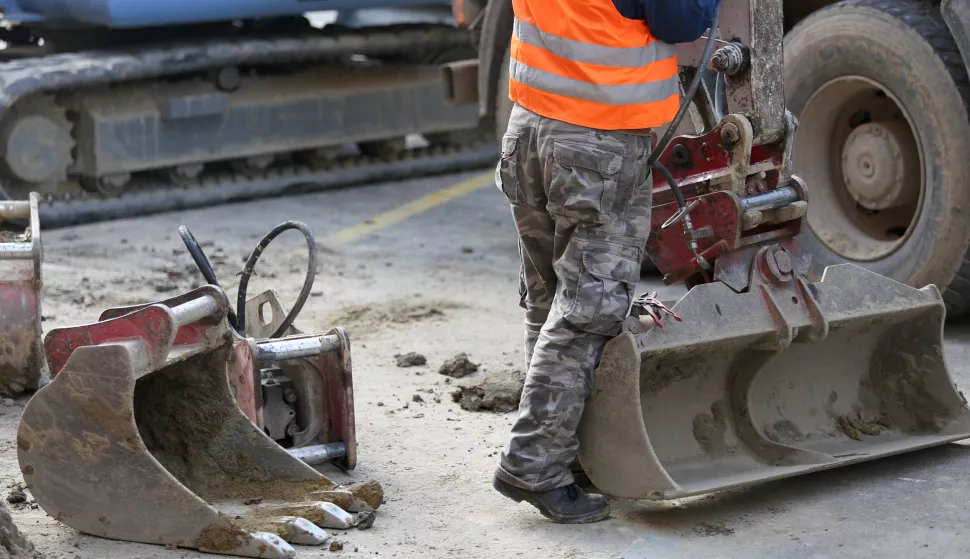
924	17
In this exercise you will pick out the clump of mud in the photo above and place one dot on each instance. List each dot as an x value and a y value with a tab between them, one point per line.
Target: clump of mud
14	544
458	366
17	495
498	392
410	359
861	424
364	319
365	520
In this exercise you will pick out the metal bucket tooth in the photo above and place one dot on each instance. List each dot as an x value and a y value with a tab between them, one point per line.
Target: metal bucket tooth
301	531
784	379
138	438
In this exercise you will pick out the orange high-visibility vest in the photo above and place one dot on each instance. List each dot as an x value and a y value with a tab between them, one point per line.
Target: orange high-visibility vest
581	62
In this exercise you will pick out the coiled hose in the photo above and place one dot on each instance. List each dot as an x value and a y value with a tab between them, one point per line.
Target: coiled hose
237	320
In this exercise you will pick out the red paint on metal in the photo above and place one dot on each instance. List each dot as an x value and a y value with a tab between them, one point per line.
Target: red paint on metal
152	324
717	216
242	378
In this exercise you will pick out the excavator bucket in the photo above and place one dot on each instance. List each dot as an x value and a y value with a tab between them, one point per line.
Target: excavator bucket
784	379
138	437
21	354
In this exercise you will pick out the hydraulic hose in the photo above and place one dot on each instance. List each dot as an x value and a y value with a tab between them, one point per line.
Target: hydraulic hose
203	264
691	89
237	320
249	270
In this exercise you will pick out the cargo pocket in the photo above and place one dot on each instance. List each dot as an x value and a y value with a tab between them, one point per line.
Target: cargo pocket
507	172
604	289
584	182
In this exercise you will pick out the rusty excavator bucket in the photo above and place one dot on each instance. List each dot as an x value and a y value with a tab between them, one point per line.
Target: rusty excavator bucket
21	353
764	374
139	436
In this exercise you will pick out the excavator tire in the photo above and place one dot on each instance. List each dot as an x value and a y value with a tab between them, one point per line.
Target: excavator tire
881	93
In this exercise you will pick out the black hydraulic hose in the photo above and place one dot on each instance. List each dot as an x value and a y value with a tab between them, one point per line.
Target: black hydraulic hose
688	99
248	271
201	260
203	264
674	187
237	320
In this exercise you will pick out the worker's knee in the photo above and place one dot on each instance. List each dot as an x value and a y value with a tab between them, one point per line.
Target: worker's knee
599	281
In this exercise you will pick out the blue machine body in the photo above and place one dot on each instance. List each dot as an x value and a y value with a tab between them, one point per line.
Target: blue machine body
147	13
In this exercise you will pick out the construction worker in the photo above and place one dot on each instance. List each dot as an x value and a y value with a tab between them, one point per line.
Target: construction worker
589	79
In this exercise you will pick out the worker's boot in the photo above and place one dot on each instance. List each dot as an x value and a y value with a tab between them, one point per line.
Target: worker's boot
566	505
580	478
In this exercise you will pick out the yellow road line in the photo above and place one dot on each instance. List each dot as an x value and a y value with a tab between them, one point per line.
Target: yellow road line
410	209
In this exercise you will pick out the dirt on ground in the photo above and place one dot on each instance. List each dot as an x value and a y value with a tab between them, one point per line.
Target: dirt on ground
13	543
458	366
362	319
499	392
414	289
410	359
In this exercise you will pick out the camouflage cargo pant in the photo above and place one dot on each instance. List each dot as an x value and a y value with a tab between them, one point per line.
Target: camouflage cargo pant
581	202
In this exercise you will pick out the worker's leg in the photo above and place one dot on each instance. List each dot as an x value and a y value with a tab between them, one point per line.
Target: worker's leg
519	175
598	193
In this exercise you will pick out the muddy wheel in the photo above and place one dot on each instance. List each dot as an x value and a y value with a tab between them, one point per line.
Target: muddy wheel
881	95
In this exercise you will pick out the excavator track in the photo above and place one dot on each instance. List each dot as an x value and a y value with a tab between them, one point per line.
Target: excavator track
96	165
228	186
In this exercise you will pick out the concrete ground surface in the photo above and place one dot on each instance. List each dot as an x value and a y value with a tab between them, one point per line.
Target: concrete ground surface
439	283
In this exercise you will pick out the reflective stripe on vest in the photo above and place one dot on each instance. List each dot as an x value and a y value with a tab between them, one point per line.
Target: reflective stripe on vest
598	70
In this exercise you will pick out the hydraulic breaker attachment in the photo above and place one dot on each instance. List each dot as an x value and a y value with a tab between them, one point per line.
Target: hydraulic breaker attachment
139	437
306	396
766	375
21	354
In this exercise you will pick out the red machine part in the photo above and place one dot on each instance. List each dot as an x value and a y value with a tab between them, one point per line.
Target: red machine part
20	284
145	322
196	322
700	165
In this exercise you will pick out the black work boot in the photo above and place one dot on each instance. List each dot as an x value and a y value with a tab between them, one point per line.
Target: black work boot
581	478
566	505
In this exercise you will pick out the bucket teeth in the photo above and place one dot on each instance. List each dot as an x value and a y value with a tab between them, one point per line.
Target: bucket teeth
255	544
323	514
301	531
359	497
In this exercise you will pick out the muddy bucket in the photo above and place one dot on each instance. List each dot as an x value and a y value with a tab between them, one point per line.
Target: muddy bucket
783	379
21	354
138	437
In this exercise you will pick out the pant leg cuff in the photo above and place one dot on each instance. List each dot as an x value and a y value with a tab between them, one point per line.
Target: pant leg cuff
561	480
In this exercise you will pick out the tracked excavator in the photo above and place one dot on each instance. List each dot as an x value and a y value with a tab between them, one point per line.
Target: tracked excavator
114	108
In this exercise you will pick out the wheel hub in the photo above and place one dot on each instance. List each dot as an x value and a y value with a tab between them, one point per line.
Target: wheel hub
36	149
874	167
